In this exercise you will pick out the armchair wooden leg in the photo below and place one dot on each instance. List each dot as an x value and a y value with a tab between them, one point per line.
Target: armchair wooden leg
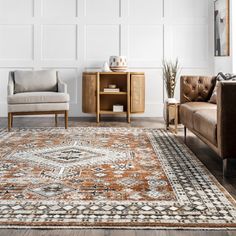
66	119
55	120
9	121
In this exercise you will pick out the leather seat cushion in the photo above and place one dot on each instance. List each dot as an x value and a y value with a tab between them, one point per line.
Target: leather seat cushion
38	97
205	123
188	109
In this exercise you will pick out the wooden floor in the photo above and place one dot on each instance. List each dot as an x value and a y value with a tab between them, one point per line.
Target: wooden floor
208	157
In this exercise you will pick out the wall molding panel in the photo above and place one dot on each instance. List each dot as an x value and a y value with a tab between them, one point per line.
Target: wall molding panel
73	36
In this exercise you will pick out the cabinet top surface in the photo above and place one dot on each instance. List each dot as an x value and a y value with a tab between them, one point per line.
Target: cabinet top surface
113	73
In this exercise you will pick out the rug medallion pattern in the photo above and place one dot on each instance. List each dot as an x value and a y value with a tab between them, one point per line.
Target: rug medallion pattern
106	177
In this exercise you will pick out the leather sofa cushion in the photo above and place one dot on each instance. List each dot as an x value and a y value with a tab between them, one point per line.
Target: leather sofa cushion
205	123
38	97
196	88
35	81
188	109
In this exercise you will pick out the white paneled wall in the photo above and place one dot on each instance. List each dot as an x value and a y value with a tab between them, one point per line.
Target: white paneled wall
73	36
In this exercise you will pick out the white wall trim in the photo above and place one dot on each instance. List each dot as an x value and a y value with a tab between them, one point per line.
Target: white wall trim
145	31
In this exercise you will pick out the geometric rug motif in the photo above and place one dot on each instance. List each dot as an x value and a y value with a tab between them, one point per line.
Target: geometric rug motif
107	177
65	158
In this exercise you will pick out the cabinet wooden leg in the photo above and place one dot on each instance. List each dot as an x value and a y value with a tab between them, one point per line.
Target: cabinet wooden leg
9	121
66	119
128	118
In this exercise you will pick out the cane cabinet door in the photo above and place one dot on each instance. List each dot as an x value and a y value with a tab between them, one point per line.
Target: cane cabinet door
89	93
137	87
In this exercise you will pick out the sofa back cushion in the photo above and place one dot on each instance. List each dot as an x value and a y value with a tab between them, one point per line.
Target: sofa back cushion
35	81
196	88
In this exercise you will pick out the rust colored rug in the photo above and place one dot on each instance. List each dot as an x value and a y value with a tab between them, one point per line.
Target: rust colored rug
109	178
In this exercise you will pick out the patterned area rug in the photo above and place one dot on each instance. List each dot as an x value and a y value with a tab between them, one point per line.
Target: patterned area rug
107	177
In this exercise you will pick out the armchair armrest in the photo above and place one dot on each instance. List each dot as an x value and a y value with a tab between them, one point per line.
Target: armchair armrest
10	86
226	119
62	87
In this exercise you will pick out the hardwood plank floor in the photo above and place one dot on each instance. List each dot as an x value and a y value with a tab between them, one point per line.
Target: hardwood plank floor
208	157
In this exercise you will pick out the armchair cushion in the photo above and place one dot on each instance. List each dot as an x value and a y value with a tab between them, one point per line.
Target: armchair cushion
38	97
38	107
35	81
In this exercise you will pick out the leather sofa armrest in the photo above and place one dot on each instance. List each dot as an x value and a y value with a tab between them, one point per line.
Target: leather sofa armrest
62	86
196	88
10	86
226	119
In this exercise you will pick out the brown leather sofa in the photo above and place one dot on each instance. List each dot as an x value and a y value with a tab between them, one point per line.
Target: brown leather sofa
214	124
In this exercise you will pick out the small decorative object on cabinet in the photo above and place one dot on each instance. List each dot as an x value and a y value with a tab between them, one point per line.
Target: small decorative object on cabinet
112	86
118	108
172	115
118	63
106	67
98	98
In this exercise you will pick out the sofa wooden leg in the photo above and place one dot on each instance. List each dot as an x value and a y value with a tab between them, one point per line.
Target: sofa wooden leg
9	121
55	120
225	168
185	133
66	119
229	167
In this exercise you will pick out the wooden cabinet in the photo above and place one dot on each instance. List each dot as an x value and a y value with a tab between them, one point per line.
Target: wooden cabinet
131	94
137	89
89	93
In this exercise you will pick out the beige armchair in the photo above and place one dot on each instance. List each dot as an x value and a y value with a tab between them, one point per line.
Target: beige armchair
36	93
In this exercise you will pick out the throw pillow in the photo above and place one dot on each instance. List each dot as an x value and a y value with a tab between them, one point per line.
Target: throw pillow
220	77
